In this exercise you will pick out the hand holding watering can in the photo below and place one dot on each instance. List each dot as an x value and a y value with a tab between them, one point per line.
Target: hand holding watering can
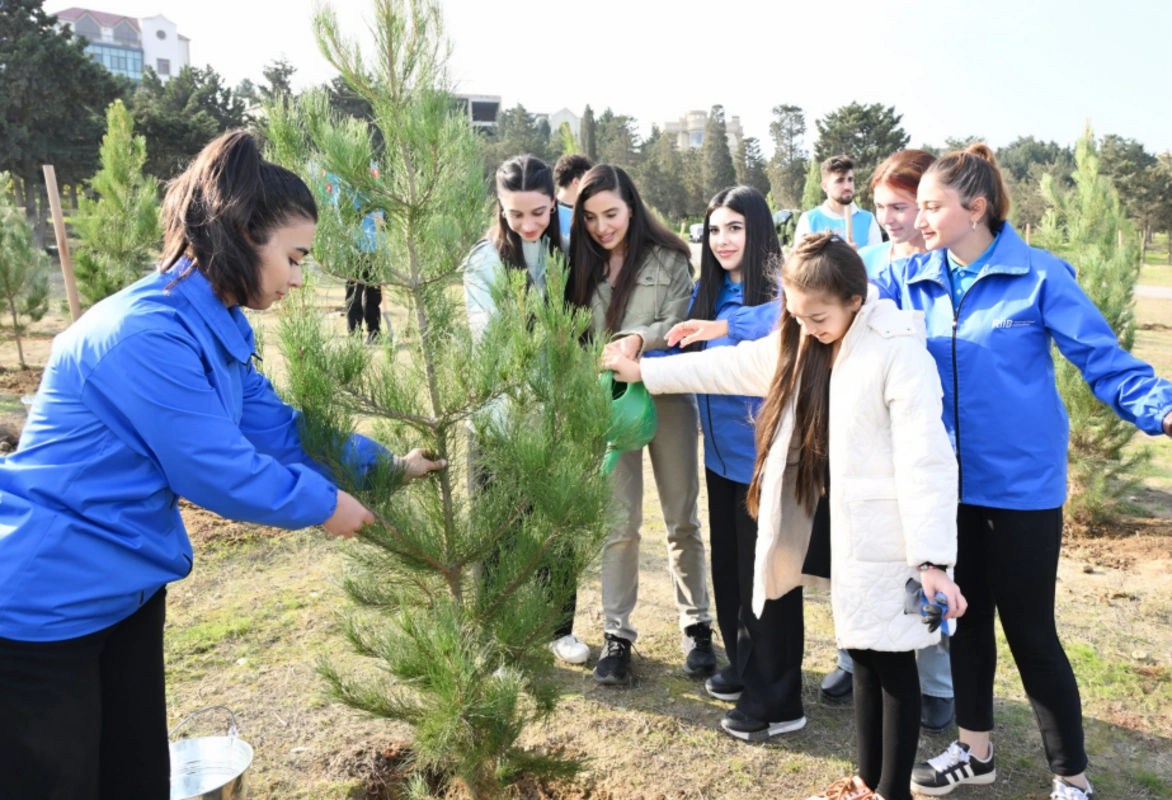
632	411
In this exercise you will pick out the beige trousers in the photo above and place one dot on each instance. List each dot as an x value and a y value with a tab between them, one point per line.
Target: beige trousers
674	460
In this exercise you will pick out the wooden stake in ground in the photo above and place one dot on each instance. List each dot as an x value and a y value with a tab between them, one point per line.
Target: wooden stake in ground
62	243
847	218
1027	234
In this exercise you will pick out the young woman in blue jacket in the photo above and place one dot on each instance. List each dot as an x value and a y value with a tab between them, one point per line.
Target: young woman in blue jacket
150	397
735	301
993	306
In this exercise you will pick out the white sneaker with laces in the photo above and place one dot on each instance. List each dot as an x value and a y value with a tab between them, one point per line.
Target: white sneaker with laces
570	650
1064	790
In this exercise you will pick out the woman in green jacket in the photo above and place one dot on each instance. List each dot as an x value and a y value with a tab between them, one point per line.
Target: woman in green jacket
635	278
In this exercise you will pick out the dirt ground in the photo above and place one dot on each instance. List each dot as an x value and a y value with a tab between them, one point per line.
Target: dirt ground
263	607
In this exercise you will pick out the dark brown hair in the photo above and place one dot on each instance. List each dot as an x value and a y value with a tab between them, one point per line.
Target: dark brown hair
761	260
837	164
821	263
523	174
588	259
570	166
223	206
973	173
902	171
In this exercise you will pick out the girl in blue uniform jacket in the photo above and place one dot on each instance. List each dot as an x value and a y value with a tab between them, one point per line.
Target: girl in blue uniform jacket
150	397
993	306
735	301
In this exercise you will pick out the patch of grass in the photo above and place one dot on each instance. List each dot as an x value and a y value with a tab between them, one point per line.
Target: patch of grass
1154	783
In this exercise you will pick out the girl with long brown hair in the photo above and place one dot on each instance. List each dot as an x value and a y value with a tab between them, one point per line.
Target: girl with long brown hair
635	278
854	483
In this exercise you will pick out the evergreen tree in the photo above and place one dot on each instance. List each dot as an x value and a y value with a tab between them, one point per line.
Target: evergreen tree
119	231
787	168
718	170
1083	226
278	75
52	98
750	166
567	143
693	164
661	177
514	134
586	132
1023	162
24	276
616	140
460	583
1132	169
868	134
812	194
179	117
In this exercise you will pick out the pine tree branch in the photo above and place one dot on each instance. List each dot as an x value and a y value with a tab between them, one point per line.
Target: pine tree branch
401	280
517	581
443	569
497	535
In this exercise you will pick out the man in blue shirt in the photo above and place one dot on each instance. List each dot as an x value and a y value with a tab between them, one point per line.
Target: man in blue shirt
838	181
567	174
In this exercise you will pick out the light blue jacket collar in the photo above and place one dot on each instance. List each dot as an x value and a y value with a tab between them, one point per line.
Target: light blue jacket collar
1010	256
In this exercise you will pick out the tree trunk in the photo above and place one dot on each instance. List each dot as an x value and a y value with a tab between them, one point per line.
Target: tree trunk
1143	248
42	222
73	196
16	332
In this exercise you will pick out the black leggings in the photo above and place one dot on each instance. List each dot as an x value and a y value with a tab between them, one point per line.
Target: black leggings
86	718
362	301
766	652
887	719
1007	563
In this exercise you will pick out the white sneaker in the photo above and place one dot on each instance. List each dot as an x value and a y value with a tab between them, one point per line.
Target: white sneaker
570	650
1063	790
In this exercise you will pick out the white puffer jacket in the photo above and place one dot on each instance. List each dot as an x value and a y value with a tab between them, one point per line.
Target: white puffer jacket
893	478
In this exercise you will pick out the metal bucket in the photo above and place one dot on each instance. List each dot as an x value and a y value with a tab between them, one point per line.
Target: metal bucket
211	767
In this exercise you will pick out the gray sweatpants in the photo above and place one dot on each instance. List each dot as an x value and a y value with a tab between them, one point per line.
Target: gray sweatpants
674	460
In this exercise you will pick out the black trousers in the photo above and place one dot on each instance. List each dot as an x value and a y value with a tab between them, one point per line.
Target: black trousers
887	719
86	718
767	652
1007	564
362	304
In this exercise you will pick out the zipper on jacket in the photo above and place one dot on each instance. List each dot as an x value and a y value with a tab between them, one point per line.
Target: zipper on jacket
956	404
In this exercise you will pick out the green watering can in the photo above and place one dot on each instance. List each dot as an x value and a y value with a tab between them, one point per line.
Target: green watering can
632	418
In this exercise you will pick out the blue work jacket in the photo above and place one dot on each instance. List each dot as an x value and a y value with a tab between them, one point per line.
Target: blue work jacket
1002	409
149	397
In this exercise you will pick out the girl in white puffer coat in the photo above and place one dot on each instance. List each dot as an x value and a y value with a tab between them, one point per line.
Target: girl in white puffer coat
855	482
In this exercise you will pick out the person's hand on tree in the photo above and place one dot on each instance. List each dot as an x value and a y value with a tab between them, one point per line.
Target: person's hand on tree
349	515
691	331
628	346
626	370
420	463
937	580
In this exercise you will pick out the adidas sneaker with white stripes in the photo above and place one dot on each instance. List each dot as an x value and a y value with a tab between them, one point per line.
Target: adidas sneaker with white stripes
956	766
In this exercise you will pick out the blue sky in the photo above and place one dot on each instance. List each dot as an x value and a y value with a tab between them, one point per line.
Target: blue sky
995	68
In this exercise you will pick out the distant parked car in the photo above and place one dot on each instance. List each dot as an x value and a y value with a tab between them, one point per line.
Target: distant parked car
696	232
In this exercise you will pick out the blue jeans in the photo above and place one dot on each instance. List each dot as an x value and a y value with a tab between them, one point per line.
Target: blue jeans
933	663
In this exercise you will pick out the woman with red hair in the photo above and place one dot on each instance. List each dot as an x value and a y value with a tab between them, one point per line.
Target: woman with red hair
895	183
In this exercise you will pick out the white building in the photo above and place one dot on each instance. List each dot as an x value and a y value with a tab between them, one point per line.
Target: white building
689	130
567	116
125	45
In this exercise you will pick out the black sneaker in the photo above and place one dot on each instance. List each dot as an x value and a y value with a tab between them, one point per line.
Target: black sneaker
724	685
838	688
697	645
611	669
954	767
738	724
